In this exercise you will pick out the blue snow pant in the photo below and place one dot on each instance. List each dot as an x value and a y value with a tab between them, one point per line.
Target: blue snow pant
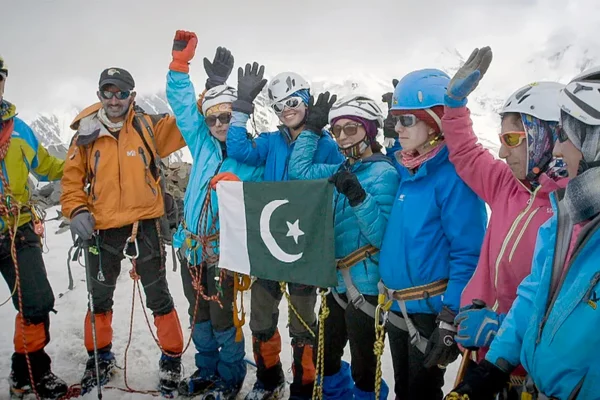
217	352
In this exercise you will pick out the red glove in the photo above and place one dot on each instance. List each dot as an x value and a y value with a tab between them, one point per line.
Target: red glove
184	48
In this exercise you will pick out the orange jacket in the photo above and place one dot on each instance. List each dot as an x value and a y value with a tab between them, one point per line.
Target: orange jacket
112	178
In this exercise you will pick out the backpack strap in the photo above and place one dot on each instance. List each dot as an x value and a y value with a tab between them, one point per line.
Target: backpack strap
157	171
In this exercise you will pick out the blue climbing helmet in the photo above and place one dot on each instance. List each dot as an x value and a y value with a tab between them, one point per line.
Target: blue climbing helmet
420	89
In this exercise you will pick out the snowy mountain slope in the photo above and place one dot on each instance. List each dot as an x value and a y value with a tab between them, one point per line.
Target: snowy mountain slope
66	329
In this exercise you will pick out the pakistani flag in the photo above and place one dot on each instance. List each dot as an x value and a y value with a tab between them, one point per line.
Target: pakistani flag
281	231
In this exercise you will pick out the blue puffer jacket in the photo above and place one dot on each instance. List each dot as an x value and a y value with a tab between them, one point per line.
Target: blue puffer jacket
561	352
358	226
273	149
435	232
206	152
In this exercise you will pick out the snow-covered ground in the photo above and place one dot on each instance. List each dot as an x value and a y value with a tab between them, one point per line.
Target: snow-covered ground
66	329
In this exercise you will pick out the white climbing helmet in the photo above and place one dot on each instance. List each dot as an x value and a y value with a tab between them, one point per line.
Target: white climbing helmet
538	99
284	85
357	106
581	97
217	95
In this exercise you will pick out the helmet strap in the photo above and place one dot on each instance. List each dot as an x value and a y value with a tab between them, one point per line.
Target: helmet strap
584	166
539	168
356	151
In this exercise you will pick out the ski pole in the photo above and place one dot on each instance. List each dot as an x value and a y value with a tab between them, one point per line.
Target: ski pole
85	244
467	353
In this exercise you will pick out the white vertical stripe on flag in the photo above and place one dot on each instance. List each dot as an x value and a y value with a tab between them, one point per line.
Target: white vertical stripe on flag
233	240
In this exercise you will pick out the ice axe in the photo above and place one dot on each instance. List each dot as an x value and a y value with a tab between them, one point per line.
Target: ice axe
467	353
85	246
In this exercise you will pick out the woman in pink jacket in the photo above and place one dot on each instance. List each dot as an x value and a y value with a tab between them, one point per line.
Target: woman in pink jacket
517	191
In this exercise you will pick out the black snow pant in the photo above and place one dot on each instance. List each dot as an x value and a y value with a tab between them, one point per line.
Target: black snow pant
266	342
33	321
105	268
412	380
221	318
354	326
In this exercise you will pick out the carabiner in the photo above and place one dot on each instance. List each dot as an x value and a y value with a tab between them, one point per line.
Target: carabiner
137	249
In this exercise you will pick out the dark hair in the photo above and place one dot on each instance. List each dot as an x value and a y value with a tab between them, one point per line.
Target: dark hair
376	147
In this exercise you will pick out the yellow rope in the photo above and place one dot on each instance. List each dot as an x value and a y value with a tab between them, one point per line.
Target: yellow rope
379	345
282	286
320	367
456	396
11	295
241	283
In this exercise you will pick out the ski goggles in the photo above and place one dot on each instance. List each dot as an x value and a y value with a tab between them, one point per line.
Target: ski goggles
122	95
224	118
512	139
350	129
406	120
291	102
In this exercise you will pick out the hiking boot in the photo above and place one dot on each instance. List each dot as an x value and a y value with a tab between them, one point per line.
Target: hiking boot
169	374
196	384
106	366
221	390
260	392
48	387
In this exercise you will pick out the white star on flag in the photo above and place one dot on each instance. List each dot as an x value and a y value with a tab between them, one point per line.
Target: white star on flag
294	230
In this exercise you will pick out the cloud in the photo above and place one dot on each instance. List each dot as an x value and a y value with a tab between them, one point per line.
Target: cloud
58	48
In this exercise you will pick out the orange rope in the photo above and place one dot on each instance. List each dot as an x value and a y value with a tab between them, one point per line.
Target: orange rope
7	210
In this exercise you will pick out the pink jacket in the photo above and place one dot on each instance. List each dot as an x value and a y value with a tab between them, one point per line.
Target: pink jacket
517	213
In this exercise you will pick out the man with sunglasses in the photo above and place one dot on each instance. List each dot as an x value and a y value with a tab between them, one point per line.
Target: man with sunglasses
289	95
113	195
220	365
25	275
517	191
551	328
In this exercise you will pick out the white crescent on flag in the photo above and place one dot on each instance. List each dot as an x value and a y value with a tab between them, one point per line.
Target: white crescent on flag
267	236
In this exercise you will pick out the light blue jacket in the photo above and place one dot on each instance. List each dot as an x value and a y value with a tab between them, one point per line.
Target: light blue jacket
435	232
357	226
273	149
207	153
562	350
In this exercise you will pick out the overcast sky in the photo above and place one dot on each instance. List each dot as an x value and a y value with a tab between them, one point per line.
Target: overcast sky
56	49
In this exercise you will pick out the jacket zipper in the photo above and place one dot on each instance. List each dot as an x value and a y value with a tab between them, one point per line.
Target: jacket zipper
507	240
525	225
96	159
147	170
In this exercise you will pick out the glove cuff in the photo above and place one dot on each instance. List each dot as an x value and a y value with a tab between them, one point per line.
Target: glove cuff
317	131
179	66
446	315
211	83
242	106
358	199
453	102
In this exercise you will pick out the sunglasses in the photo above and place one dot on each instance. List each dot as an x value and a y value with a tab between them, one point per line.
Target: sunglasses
512	139
223	118
350	129
406	120
561	135
107	94
292	103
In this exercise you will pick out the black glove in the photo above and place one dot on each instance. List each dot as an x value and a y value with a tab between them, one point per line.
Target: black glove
482	382
219	70
442	349
318	113
250	83
387	97
347	184
389	127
